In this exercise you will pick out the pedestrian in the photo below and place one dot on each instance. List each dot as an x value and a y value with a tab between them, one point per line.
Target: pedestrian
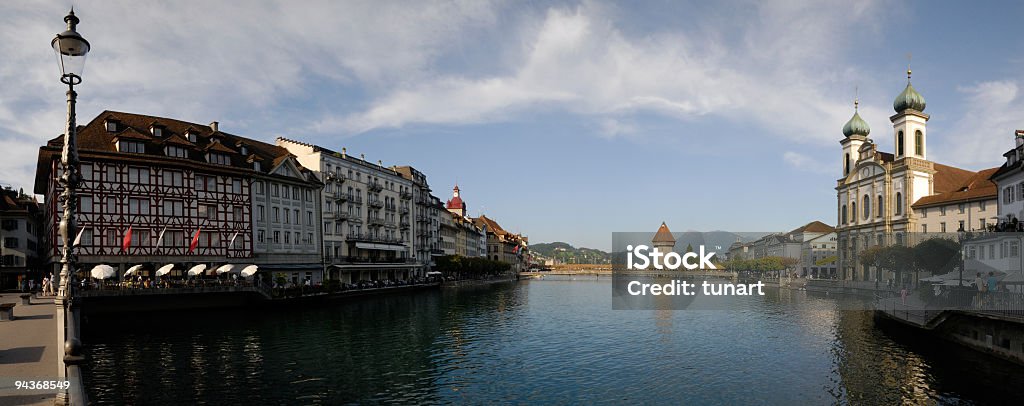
991	286
979	284
46	284
903	293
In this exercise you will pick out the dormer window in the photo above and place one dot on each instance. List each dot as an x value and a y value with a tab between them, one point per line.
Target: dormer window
131	146
191	134
176	151
110	125
157	131
215	158
256	165
245	150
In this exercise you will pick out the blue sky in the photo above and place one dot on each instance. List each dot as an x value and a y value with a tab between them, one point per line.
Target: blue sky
562	120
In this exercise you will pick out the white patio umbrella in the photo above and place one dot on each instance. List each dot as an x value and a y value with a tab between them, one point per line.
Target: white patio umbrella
250	270
133	270
164	270
225	268
102	271
197	270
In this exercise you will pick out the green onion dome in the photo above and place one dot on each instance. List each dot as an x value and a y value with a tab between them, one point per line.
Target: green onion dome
857	126
909	99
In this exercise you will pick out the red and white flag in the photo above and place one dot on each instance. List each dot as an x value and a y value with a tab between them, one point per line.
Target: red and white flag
195	241
232	242
78	238
127	243
160	239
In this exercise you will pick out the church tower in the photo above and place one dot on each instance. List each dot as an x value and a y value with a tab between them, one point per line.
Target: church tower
909	124
455	204
855	134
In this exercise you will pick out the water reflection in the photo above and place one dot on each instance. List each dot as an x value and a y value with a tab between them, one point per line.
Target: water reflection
534	341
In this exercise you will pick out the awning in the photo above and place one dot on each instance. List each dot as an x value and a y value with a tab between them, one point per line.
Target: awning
374	246
290	267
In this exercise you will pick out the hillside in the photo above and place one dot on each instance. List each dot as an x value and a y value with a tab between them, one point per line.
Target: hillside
565	253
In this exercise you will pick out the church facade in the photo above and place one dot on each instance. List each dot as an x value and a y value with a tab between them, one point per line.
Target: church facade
901	197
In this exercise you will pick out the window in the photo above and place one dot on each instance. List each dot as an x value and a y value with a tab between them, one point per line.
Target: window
309	238
327	227
131	147
853	212
111	205
138	175
961	225
236	214
206	183
157	131
942	210
86	170
960	207
84	203
236	186
277	191
173	208
1014	248
924	212
277	237
277	215
10	242
259	187
309	218
175	151
259	212
172	178
285	192
843	214
140	238
261	236
191	135
287	218
220	159
878	209
295	216
982	224
924	228
942	227
295	193
208	211
918	143
899	203
110	125
865	202
1020	191
981	205
297	237
972	252
899	143
138	206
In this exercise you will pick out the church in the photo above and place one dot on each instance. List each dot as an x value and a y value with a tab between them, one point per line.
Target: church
901	197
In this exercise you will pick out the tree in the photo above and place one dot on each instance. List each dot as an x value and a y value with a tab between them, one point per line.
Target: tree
937	255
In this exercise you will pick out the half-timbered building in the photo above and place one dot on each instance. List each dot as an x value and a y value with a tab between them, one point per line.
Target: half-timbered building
168	180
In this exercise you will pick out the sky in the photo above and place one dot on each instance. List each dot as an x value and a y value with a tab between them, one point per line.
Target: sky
565	120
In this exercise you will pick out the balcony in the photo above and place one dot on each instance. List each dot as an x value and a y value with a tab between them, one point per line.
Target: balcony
376	203
355	199
390	207
422	219
341	197
375	186
334	177
375	260
341	215
389	224
405	194
404	225
375	221
404	210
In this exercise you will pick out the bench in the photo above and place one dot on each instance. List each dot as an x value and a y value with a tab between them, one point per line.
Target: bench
26	299
7	311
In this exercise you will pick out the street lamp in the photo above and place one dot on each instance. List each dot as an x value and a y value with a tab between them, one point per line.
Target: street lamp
71	49
963	258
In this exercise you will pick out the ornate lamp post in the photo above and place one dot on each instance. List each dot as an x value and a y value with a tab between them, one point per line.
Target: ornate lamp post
960	234
71	49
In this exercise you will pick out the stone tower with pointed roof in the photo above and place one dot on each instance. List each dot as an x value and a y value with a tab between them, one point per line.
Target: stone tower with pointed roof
663	240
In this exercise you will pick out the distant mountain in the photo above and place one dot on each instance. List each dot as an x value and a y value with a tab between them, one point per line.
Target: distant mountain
565	253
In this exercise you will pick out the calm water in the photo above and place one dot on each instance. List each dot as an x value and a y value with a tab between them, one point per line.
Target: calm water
543	341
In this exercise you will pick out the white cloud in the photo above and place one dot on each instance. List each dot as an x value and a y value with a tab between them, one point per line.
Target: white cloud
986	129
579	61
806	163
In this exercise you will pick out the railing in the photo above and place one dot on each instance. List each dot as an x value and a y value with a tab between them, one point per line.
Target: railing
375	186
376	203
375	221
405	195
355	199
341	197
371	260
404	210
341	215
372	238
422	219
390	207
404	225
921	308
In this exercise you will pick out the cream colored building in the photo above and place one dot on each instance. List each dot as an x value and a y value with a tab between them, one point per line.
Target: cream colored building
884	197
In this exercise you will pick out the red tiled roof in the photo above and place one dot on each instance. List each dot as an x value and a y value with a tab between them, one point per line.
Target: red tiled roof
663	235
976	186
814	227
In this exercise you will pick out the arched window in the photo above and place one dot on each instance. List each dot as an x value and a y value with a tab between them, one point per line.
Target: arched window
853	211
844	214
878	207
899	143
846	165
919	143
899	203
865	203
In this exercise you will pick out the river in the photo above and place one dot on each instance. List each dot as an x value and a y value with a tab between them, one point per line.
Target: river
555	340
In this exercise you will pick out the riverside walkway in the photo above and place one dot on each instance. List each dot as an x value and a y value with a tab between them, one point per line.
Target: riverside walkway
27	349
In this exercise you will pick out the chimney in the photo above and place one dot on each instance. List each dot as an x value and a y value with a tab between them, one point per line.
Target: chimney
1019	137
344	152
214	125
